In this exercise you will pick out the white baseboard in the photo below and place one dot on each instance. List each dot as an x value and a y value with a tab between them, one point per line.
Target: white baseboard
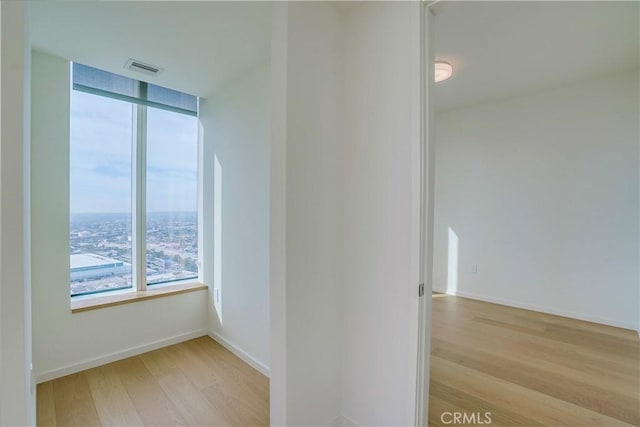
118	355
253	362
541	309
342	421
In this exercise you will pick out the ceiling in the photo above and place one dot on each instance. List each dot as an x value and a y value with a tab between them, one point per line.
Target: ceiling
502	49
497	49
199	45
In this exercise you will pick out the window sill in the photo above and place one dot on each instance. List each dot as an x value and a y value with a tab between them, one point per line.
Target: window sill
94	303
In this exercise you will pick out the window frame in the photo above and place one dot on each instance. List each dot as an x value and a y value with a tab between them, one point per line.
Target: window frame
139	198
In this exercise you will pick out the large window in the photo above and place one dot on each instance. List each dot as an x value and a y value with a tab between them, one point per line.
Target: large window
172	232
133	184
100	194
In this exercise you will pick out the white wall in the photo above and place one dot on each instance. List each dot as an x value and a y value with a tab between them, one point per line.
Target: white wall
542	192
236	136
17	400
347	271
277	216
381	224
314	177
64	342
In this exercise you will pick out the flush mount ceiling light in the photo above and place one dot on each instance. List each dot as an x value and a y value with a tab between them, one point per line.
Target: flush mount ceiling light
444	70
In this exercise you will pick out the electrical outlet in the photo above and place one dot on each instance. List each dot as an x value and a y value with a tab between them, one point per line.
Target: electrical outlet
474	269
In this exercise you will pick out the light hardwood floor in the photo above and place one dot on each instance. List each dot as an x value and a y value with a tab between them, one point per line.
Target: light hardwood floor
529	368
194	383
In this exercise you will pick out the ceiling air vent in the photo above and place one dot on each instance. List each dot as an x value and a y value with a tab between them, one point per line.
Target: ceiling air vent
141	67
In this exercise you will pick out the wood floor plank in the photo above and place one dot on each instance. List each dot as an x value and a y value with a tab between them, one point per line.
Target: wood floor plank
480	406
505	395
151	402
46	409
240	393
111	399
73	402
572	336
589	396
201	373
439	410
160	361
237	380
551	359
194	383
193	406
565	371
507	342
213	349
236	409
530	317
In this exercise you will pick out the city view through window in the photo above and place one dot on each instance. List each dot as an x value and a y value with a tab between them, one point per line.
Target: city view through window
101	185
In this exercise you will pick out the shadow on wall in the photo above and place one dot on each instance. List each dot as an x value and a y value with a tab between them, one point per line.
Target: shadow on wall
452	263
217	237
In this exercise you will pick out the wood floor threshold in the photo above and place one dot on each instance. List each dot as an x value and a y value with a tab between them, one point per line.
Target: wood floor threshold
94	303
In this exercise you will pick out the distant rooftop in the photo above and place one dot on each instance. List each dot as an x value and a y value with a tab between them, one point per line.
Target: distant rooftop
89	261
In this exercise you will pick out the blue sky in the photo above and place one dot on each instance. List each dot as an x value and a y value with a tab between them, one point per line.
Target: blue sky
100	155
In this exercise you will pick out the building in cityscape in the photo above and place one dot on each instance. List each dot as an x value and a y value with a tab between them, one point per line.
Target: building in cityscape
91	266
